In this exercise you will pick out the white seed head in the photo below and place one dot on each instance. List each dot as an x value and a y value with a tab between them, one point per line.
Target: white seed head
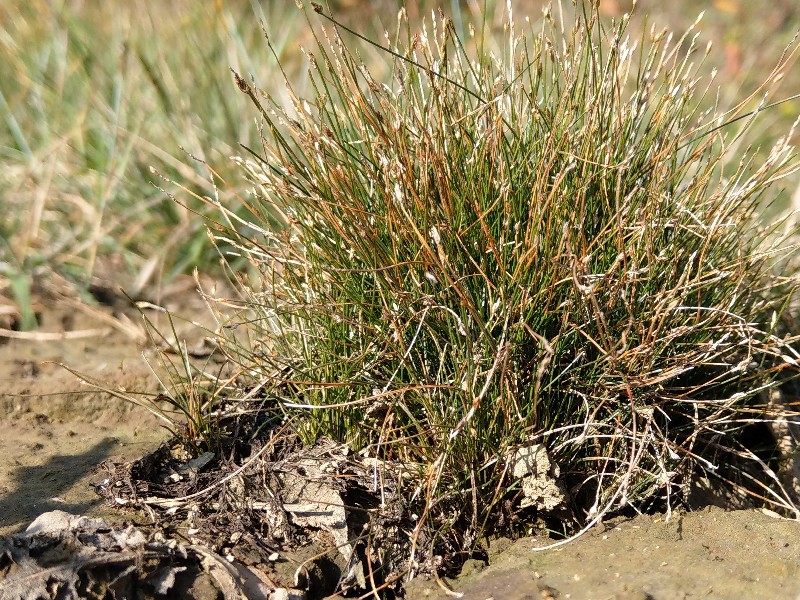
435	237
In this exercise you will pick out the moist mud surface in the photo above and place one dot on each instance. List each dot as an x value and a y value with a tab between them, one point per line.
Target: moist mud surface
56	431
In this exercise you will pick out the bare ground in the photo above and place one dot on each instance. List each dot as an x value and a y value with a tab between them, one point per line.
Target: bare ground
707	554
55	429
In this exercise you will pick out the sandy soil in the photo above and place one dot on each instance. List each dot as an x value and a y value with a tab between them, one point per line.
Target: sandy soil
56	430
706	554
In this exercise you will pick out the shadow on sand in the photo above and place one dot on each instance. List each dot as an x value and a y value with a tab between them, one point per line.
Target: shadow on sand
37	489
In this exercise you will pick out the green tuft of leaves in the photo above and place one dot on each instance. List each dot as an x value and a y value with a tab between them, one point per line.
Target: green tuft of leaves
546	245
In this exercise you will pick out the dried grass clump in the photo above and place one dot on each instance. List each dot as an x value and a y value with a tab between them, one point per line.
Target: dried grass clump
549	250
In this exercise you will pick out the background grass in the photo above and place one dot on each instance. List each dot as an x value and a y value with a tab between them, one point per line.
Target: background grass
96	97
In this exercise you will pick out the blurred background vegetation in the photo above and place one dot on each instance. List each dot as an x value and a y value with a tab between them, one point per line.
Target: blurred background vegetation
113	114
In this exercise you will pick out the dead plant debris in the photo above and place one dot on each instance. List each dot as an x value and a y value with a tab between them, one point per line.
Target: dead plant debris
317	520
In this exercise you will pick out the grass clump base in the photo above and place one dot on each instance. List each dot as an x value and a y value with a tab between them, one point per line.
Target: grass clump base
533	275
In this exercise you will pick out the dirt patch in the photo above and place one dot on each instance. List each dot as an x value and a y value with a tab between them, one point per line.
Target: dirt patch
55	429
706	554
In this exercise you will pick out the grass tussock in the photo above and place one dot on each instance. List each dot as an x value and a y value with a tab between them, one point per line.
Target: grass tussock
548	249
